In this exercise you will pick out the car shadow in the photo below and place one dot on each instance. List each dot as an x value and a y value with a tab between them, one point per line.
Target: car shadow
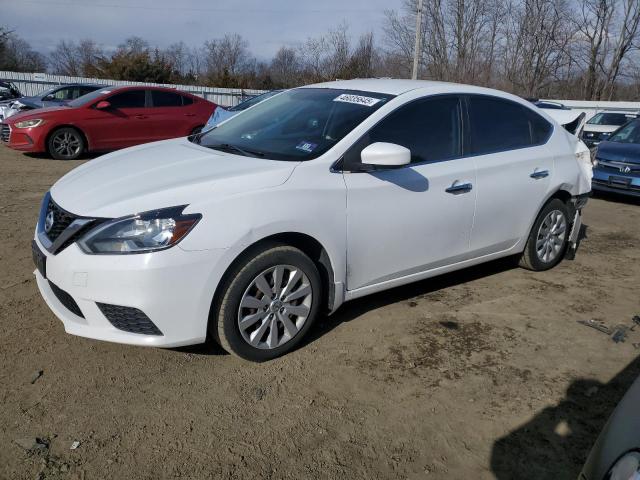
355	308
358	307
616	197
46	156
555	443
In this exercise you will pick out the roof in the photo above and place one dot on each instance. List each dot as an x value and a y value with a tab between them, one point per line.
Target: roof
393	86
390	86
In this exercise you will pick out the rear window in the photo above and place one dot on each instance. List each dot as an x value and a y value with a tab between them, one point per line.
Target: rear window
166	99
499	125
610	119
187	100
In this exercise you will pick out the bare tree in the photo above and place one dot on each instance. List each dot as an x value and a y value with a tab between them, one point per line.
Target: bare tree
285	67
226	57
16	54
76	59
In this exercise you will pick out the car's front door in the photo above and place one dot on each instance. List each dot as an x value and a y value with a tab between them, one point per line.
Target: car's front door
408	220
121	125
513	170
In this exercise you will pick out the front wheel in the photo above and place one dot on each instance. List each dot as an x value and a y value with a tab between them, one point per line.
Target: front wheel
66	144
548	239
267	304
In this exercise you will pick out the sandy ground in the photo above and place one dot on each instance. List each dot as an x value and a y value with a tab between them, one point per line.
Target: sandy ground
480	374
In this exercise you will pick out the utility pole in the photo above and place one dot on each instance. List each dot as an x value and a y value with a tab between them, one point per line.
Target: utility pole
418	44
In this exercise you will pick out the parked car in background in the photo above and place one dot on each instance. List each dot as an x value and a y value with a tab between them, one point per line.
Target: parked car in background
107	119
8	91
52	97
603	124
222	114
317	196
616	453
550	105
617	161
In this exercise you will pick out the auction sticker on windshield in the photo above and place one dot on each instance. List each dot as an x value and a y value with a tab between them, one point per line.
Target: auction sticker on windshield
306	146
357	99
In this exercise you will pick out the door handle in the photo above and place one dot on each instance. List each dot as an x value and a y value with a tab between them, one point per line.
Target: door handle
189	114
539	174
458	188
141	117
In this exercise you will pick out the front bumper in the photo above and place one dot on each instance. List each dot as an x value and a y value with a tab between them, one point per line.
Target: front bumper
24	139
611	181
173	288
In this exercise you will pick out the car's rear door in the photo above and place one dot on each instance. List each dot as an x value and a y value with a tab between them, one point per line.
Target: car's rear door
514	167
123	124
169	117
404	221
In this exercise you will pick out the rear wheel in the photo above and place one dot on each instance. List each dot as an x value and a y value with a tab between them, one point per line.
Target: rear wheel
66	144
267	304
548	239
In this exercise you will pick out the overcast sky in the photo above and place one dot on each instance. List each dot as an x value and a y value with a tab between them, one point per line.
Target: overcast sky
265	24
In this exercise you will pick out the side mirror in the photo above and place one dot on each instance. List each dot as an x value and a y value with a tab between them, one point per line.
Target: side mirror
386	154
48	98
103	105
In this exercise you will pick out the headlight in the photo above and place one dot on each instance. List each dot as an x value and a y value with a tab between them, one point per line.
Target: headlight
627	468
142	233
29	123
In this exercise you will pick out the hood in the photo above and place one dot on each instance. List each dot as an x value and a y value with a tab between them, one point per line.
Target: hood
162	174
601	128
619	152
31	102
39	113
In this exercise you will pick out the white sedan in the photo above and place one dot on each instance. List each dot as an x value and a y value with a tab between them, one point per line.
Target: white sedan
322	194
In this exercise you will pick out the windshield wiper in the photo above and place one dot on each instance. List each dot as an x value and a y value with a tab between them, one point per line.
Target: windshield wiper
234	148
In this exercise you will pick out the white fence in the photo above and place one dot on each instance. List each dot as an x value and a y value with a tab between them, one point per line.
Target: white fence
34	83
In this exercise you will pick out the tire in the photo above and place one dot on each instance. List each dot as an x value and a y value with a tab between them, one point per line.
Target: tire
66	144
549	237
242	299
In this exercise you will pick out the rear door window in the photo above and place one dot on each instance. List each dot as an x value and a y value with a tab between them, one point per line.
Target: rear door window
128	99
498	125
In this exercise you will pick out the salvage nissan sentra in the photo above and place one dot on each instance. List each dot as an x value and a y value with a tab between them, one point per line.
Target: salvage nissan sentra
319	195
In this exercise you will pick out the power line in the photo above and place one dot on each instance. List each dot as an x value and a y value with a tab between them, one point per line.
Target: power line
242	10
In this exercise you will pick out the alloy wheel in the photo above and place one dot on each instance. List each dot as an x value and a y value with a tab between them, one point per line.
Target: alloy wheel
551	236
275	306
67	144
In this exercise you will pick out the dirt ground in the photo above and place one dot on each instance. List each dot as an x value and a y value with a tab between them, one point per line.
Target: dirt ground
479	374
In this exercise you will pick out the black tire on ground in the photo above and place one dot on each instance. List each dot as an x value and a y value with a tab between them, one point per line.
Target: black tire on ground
531	259
66	143
224	318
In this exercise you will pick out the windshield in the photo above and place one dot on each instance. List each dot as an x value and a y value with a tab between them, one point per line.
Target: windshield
253	101
299	124
610	119
89	97
630	133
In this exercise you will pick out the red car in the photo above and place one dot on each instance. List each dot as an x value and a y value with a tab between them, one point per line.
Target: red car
107	119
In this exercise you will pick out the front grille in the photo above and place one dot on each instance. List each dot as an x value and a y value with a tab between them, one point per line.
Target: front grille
5	133
129	319
66	300
61	220
624	168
